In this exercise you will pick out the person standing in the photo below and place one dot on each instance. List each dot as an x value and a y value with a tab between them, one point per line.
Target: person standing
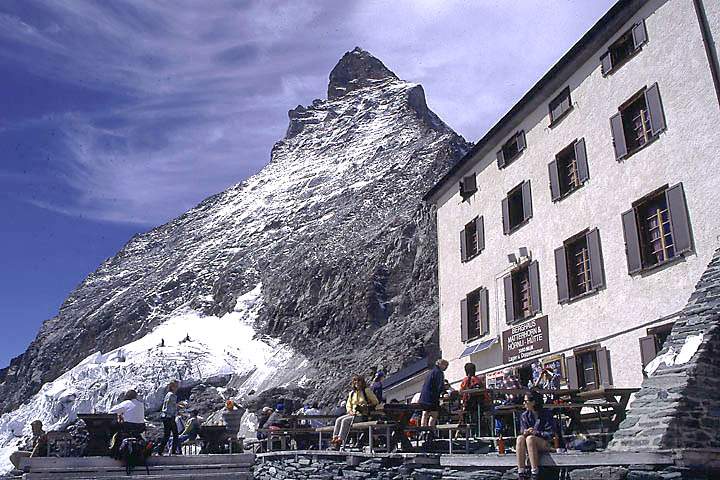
377	386
430	394
169	410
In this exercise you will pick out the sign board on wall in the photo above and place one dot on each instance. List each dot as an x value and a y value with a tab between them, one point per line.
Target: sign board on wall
526	340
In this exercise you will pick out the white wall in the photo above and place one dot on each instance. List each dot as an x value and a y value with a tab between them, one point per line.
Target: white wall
688	151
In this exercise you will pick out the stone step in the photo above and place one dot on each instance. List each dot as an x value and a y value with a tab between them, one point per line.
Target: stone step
141	474
82	462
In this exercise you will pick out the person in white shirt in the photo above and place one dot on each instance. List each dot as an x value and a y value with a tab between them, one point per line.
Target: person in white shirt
131	413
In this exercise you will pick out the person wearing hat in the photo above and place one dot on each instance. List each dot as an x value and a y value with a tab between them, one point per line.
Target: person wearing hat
263	417
39	444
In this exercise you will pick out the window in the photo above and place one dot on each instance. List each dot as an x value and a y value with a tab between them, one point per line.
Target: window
511	149
472	239
589	369
475	316
640	121
657	229
651	345
560	106
522	293
468	186
624	48
579	266
517	207
569	170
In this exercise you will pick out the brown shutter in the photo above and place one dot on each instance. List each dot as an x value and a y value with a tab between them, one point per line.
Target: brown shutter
500	158
648	351
604	367
506	215
520	139
554	181
484	312
639	34
527	200
581	159
618	133
463	245
597	275
632	242
509	301
679	219
606	63
534	276
464	327
561	275
480	232
654	106
571	369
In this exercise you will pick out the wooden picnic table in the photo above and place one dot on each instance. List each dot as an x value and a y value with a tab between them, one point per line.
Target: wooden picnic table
618	398
282	434
297	418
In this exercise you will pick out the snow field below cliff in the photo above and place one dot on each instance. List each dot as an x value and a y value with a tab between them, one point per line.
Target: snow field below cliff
218	346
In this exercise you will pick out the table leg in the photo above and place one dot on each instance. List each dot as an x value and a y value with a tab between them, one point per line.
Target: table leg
370	439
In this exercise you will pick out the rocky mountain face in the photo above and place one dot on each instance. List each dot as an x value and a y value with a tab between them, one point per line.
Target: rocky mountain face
331	232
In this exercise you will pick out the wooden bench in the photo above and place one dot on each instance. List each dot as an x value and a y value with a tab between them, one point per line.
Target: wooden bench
283	434
236	466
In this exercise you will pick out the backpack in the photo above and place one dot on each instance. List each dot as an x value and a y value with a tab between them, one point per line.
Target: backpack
134	452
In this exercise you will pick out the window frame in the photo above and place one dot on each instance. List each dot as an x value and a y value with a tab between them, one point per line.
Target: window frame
559	98
628	36
625	107
466	194
516	196
530	270
572	241
519	140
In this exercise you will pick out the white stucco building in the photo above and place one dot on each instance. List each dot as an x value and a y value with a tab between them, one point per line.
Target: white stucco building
577	227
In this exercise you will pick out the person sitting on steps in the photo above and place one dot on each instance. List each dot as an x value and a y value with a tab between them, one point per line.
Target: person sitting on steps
536	431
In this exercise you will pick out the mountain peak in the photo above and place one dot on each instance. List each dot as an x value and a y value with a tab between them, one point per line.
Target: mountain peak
355	70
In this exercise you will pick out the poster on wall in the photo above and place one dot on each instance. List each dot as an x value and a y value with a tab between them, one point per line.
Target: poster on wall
526	340
557	363
494	379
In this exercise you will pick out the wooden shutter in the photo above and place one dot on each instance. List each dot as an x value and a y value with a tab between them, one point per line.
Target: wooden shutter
527	200
480	233
562	275
618	133
484	312
509	301
534	277
654	106
597	275
606	63
604	368
469	185
463	245
572	376
506	215
500	158
639	34
520	139
679	219
648	350
632	242
581	159
554	180
464	327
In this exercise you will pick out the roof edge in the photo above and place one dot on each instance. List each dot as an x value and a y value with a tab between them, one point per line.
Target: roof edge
630	7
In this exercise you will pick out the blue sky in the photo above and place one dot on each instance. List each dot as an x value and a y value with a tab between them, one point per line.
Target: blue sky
117	116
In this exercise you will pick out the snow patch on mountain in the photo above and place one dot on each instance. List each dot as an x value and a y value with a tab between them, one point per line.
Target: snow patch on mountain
187	346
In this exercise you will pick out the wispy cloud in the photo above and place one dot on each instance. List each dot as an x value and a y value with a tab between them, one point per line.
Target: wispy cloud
203	87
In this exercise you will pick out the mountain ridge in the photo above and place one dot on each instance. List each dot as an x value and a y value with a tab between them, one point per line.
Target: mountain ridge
332	228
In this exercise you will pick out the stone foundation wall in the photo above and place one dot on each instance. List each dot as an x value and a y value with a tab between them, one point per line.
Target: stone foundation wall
678	406
381	469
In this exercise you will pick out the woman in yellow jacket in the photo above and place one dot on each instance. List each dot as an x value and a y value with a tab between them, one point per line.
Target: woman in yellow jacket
361	400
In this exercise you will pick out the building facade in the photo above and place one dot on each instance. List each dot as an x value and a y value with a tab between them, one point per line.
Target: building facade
575	230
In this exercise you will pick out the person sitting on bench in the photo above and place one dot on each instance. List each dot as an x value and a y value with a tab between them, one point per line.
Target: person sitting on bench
536	431
39	445
361	400
131	413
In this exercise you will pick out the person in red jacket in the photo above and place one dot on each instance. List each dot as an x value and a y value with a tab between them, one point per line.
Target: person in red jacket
471	405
